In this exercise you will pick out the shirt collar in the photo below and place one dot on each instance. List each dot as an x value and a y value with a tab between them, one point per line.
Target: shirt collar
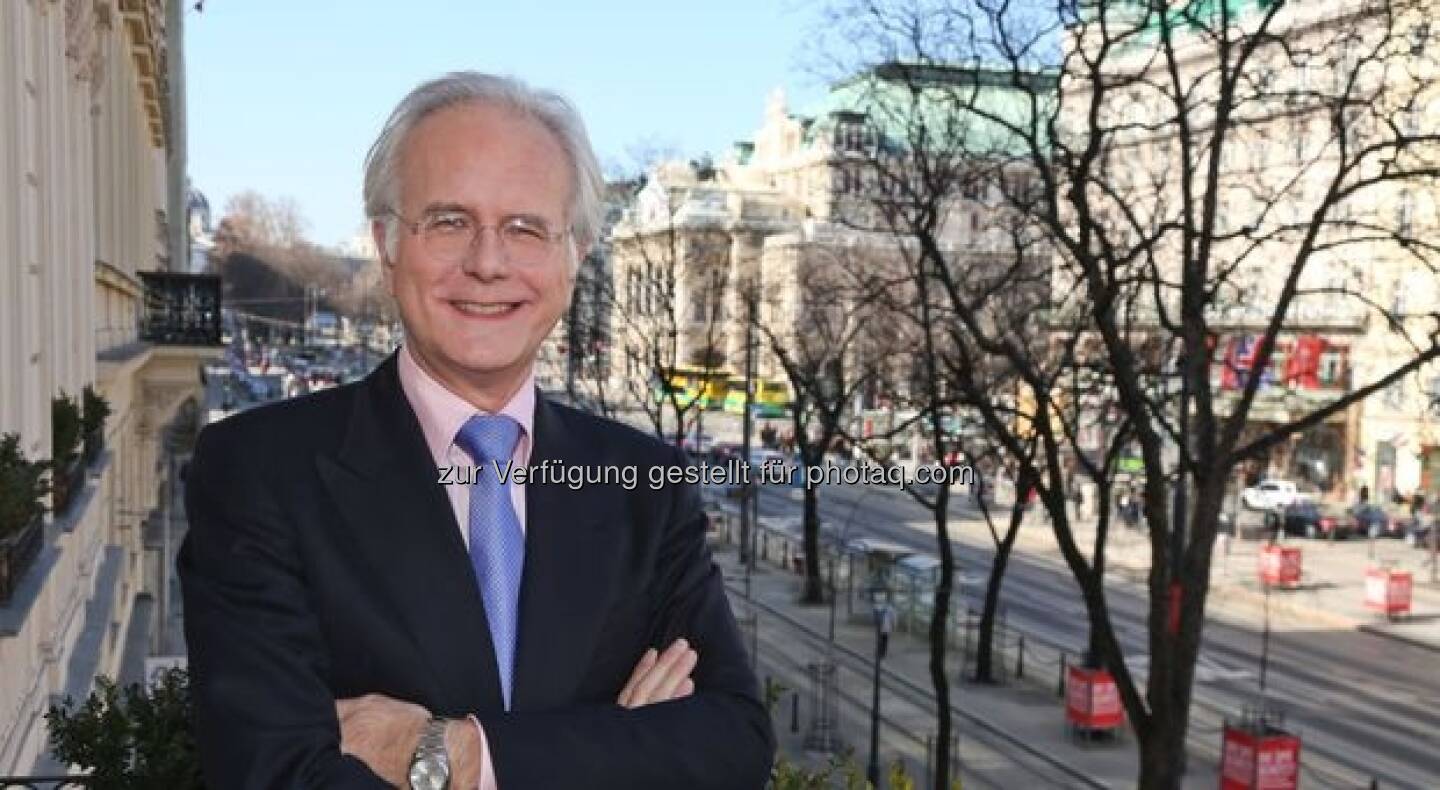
442	412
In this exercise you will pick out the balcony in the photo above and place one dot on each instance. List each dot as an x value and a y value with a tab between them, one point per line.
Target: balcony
180	309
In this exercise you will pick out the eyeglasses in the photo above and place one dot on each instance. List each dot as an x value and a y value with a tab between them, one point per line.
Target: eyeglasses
452	235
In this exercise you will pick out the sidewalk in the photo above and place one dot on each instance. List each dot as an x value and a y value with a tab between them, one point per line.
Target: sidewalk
1331	594
1013	734
1010	735
1332	589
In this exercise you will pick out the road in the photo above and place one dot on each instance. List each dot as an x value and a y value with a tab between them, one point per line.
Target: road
1367	707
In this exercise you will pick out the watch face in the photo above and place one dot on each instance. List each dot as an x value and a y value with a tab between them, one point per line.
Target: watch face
429	773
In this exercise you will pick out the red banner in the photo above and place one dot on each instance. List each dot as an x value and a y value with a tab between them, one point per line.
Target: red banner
1303	367
1280	566
1092	701
1252	762
1389	591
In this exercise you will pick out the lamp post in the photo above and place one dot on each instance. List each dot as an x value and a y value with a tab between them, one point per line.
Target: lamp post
750	503
884	616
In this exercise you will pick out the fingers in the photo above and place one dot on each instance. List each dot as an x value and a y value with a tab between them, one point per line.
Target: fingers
663	680
646	662
678	674
687	687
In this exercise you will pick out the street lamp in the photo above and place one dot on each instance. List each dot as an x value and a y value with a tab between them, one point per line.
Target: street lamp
884	621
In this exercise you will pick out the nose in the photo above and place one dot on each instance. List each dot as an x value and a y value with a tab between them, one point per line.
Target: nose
486	258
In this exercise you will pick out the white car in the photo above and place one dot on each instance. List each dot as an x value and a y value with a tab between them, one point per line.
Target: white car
1271	494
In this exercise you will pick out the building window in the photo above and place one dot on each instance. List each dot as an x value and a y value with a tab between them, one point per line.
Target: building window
1395	396
1264	79
1419	38
852	136
1259	153
1332	368
1410	121
973	188
1404	215
1297	140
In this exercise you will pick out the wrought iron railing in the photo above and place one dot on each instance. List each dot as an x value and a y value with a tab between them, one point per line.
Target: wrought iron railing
180	309
42	782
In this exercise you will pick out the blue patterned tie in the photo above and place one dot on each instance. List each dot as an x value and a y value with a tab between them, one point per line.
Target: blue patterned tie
497	543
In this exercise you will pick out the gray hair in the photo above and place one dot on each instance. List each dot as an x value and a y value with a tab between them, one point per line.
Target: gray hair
550	109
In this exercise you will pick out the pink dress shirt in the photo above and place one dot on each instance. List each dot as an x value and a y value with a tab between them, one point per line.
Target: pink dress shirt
441	413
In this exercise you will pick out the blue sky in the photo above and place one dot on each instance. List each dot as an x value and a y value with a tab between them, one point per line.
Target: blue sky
285	96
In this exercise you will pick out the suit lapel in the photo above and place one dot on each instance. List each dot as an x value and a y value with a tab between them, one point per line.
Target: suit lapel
571	562
384	482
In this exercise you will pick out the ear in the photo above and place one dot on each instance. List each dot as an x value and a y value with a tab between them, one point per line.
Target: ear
580	248
387	266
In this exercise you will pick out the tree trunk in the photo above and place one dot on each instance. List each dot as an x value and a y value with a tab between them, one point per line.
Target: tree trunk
1092	649
984	646
939	631
1162	752
814	592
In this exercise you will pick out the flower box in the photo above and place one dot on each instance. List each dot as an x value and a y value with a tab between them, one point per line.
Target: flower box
17	552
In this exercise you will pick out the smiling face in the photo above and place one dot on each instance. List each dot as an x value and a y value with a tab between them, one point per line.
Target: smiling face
476	324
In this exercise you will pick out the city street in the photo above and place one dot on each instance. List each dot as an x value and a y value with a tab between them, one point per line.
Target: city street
1367	706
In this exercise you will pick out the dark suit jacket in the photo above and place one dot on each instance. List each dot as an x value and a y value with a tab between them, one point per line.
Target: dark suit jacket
323	561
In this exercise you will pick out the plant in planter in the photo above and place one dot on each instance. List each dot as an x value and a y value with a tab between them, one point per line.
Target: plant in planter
22	487
65	433
96	409
138	736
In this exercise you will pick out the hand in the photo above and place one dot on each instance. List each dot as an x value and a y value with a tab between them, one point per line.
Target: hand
661	678
383	732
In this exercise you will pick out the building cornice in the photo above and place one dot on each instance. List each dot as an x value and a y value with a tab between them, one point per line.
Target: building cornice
145	30
108	275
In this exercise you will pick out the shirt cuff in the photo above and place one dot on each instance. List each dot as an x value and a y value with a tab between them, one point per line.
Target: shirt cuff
487	768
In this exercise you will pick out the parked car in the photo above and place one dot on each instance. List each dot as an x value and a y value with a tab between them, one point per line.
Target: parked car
1372	521
772	466
1271	494
1312	520
697	445
721	453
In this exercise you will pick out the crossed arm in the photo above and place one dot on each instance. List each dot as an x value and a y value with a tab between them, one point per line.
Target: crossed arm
382	732
266	716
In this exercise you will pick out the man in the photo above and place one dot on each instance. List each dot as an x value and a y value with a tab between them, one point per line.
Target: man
352	622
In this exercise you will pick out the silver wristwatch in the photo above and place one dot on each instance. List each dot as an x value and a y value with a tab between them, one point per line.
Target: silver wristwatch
430	767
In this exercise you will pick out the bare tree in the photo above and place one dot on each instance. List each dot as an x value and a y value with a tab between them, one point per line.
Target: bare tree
259	221
1200	176
822	327
673	269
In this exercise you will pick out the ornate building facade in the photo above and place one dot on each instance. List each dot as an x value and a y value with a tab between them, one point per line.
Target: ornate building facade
1326	83
87	128
781	216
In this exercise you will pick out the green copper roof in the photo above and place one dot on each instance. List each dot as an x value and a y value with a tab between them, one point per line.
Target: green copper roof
1183	17
964	107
